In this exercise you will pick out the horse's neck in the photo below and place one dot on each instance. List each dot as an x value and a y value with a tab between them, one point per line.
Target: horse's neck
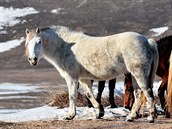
55	51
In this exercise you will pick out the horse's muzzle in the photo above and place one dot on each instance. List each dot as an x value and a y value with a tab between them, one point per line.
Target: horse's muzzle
33	61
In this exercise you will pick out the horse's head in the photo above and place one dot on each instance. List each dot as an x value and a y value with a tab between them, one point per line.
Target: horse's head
33	45
128	96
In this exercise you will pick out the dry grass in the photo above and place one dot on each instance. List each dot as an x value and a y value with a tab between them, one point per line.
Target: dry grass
61	99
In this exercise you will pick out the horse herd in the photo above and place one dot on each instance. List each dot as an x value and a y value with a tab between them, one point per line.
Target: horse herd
80	58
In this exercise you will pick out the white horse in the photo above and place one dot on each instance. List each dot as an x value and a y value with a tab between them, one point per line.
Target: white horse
80	58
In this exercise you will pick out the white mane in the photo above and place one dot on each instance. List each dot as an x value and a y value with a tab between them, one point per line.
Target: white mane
68	35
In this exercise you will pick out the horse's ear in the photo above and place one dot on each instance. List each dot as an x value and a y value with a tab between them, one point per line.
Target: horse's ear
27	31
37	30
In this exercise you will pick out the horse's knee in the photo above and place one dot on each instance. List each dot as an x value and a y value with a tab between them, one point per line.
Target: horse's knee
88	95
72	97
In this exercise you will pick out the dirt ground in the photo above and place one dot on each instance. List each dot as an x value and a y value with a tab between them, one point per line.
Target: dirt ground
95	18
160	123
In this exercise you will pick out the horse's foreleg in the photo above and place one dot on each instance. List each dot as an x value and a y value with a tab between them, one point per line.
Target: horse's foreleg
88	90
88	101
101	86
161	91
72	88
111	93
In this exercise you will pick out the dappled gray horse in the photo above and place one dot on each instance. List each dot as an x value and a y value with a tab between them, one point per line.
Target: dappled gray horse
80	58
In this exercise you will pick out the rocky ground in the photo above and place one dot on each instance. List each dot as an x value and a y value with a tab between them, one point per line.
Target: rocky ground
95	17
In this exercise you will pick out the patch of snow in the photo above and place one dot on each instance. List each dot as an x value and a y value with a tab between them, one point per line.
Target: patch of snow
3	32
9	15
159	31
46	113
57	11
6	46
155	87
9	111
8	88
17	97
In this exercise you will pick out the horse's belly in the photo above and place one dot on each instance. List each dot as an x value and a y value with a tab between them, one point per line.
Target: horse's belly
104	72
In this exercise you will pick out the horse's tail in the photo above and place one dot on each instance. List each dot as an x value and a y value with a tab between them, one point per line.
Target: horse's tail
169	88
153	45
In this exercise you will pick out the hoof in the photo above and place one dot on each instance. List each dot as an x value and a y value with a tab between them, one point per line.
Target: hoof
167	115
101	113
90	105
113	106
150	119
68	117
129	119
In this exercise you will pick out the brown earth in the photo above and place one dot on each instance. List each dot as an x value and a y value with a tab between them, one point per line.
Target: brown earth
160	123
95	18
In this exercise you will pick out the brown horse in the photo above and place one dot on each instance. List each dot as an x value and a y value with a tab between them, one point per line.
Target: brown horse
169	96
164	49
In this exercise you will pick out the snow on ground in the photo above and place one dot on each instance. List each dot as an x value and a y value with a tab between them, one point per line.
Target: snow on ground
9	88
58	11
46	112
9	16
6	46
158	31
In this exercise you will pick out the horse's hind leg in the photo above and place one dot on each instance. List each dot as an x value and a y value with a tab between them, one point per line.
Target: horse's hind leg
143	105
150	99
143	83
111	93
86	85
137	102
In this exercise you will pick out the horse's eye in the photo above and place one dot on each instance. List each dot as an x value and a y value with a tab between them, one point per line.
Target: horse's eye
39	42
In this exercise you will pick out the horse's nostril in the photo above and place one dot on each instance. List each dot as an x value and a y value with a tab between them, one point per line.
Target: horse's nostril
29	58
35	59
